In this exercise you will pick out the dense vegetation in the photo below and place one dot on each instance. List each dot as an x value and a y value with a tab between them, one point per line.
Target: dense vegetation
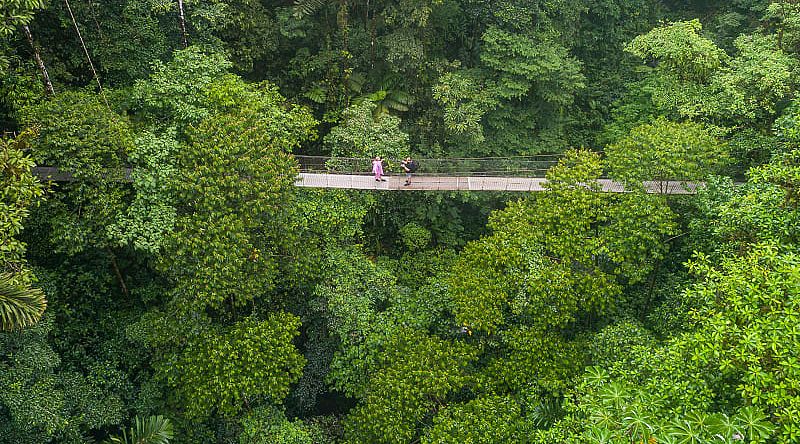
195	304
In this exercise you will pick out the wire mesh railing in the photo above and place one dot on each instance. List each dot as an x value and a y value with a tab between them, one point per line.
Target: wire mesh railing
521	166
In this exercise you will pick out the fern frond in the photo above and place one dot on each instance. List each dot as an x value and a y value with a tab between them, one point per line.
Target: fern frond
356	81
316	94
304	8
401	97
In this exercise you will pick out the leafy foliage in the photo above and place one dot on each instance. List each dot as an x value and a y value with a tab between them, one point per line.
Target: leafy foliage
178	90
20	306
362	135
470	423
564	253
666	150
152	212
416	375
41	403
681	49
19	189
150	430
16	13
82	136
270	425
228	234
256	357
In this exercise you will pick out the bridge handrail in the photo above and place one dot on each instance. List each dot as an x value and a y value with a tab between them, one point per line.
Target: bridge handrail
529	166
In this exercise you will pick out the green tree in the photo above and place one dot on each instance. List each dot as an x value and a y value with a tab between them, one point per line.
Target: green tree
256	357
473	422
177	92
694	78
361	135
756	83
664	150
415	377
232	197
718	381
566	252
20	190
43	402
270	425
680	48
81	136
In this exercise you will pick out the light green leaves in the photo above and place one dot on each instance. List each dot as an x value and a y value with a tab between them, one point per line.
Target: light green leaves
222	369
233	197
664	150
151	214
176	90
14	13
564	252
696	79
681	49
755	82
361	135
750	329
485	420
150	430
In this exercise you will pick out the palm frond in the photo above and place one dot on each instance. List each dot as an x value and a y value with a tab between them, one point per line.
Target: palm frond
20	306
547	412
150	430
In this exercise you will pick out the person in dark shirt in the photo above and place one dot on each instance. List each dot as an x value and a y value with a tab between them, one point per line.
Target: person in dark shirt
409	166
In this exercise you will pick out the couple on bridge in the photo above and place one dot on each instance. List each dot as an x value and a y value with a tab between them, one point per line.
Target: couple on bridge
408	164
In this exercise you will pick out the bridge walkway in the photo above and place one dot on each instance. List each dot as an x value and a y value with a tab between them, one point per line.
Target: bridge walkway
469	183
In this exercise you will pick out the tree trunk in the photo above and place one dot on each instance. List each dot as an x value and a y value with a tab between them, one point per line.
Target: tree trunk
48	86
182	23
117	272
86	51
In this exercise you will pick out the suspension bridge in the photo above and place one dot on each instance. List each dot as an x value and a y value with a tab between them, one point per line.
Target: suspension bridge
520	173
511	174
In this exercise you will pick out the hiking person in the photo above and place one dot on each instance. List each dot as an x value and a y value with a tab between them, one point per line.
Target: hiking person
409	166
377	169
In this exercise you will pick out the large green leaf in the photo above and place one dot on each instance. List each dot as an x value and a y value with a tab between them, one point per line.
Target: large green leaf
150	430
20	306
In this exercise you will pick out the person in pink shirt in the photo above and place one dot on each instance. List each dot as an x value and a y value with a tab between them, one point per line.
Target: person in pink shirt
377	169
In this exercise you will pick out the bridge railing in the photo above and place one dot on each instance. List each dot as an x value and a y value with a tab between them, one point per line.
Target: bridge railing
527	166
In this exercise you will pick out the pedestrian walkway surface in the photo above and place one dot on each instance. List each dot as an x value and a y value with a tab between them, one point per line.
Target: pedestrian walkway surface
448	183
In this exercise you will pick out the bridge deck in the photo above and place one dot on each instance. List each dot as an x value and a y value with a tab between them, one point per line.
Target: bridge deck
447	183
423	182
